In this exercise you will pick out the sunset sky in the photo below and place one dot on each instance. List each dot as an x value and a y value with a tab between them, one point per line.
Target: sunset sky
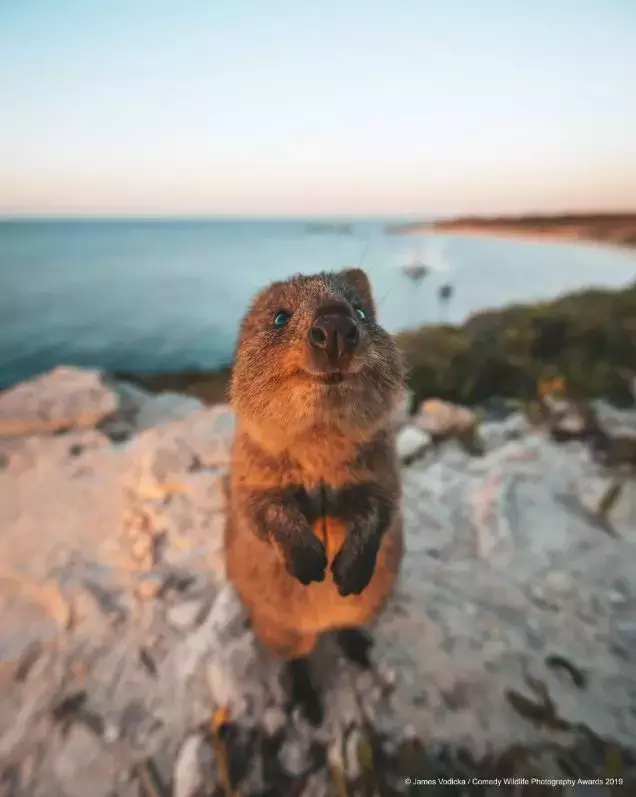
262	107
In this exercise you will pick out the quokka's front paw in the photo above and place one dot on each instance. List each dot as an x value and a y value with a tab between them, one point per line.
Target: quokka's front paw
305	558
354	565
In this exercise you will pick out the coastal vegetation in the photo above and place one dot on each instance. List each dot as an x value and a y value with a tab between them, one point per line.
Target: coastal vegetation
587	338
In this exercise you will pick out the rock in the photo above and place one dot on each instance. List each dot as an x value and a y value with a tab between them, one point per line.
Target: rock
23	454
137	410
613	452
130	402
412	443
165	408
64	398
559	582
616	422
149	586
28	621
440	418
117	430
84	766
510	590
184	615
22	706
131	399
274	720
614	443
199	441
354	744
189	776
386	675
336	754
235	677
318	785
509	528
295	756
225	623
495	433
141	548
566	419
626	632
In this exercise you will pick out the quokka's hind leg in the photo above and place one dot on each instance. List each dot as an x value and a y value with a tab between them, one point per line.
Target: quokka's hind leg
293	648
356	644
301	690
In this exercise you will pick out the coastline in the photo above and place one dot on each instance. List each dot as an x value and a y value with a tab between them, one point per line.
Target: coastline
538	236
617	231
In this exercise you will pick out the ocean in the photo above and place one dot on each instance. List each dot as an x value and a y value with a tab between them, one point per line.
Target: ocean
152	296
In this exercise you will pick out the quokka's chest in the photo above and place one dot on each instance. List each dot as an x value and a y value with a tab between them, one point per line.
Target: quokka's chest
330	460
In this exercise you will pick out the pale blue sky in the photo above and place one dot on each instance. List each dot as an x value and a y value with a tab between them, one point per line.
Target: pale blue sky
358	107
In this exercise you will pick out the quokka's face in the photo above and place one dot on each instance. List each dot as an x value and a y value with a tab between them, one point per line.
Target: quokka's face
311	348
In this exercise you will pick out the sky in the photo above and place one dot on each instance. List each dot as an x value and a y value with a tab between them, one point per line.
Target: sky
354	107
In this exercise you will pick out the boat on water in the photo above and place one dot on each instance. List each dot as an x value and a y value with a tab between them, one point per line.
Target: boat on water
327	228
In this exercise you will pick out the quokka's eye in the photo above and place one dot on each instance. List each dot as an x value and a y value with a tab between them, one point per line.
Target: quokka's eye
360	313
281	318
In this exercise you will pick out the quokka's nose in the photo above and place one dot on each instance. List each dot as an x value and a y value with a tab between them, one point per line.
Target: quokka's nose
335	332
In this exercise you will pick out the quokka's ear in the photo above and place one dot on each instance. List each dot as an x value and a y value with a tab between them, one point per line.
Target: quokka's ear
359	281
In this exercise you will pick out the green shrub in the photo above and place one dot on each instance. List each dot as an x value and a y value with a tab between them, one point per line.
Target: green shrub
588	338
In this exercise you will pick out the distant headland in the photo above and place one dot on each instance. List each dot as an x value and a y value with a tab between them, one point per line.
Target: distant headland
615	229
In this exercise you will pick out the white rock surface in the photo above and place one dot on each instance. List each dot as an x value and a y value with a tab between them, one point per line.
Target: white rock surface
565	416
514	598
165	408
495	433
64	398
617	422
411	443
184	615
189	777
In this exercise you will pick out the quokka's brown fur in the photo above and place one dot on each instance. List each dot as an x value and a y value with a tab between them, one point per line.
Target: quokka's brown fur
314	533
